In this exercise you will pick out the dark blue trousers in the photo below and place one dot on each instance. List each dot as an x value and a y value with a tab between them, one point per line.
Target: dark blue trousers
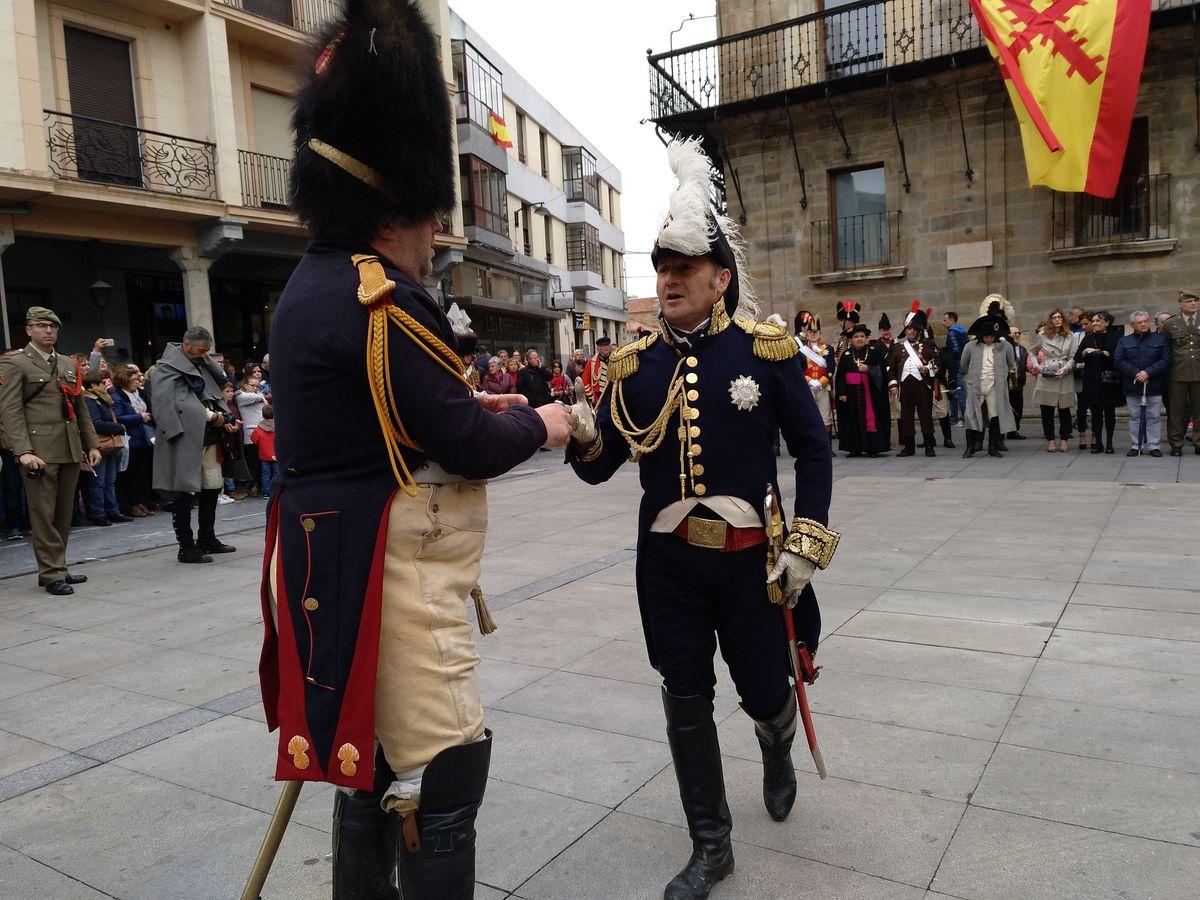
695	599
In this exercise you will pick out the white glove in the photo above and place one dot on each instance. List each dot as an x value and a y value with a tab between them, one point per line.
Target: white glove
583	417
799	571
814	384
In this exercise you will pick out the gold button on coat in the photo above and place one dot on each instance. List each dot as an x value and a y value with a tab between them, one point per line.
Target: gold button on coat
700	490
692	361
691	378
311	604
697	470
693	396
695	450
694	431
308	523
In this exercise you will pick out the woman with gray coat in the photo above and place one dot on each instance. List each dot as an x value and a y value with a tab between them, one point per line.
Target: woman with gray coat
985	366
1052	357
185	394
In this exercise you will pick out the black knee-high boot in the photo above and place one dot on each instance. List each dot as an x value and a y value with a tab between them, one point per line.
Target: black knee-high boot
974	442
775	737
994	438
437	856
365	842
206	539
692	735
947	440
181	517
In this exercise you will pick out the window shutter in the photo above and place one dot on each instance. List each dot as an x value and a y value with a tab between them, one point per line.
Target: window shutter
100	77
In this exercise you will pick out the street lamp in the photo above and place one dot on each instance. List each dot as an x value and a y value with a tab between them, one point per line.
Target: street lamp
538	208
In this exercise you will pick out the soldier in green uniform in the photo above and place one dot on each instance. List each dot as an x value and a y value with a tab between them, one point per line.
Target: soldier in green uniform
47	424
1183	391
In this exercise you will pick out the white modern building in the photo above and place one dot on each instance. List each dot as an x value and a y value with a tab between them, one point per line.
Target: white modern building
544	262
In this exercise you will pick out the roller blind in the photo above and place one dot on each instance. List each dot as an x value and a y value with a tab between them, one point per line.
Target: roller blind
100	77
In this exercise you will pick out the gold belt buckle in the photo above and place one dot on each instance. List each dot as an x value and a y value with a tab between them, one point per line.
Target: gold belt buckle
707	533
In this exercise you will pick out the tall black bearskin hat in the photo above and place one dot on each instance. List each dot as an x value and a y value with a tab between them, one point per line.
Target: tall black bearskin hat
693	227
372	124
807	321
993	322
885	324
916	318
849	310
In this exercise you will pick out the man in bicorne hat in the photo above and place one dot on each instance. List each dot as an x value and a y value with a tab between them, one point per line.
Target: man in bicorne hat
986	364
818	364
912	371
885	339
697	408
373	544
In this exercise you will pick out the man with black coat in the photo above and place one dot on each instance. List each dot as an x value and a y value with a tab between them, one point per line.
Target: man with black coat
375	530
1016	387
698	408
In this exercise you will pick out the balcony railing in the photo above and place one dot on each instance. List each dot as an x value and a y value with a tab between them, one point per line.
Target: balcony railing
815	50
266	180
82	148
851	243
303	15
1140	211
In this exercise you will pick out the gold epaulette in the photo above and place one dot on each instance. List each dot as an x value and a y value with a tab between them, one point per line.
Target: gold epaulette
624	360
771	341
373	283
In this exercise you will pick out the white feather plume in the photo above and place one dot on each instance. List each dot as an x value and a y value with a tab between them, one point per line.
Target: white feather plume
691	221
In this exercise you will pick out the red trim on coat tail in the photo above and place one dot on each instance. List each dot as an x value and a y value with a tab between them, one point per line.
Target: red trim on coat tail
268	661
356	725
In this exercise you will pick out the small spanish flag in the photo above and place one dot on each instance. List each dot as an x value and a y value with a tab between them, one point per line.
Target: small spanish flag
1072	69
498	130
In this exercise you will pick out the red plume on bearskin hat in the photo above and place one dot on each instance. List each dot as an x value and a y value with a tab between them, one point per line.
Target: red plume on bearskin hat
373	140
849	309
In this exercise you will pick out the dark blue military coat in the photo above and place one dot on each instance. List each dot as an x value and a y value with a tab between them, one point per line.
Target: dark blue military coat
329	516
733	446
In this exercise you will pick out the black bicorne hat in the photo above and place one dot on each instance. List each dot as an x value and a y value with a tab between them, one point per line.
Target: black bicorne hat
885	324
373	125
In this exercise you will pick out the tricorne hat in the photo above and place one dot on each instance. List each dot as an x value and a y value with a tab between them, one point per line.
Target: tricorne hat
693	227
373	126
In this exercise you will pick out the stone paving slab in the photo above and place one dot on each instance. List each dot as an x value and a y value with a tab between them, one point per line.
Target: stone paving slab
969	755
1001	855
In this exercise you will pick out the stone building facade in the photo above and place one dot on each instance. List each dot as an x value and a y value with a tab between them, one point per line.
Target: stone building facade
927	230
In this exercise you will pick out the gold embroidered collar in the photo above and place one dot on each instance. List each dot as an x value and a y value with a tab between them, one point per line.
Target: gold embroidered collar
717	322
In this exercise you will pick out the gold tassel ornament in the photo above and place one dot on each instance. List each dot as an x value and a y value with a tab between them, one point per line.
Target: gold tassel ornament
486	623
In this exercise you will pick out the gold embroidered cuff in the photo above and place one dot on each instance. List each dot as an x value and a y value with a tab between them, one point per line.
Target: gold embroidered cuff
593	450
813	541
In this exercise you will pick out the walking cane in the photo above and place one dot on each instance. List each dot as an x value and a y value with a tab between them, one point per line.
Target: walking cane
802	664
271	840
1142	421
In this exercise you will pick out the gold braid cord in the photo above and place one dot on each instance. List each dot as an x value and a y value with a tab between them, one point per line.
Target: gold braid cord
771	342
374	292
813	541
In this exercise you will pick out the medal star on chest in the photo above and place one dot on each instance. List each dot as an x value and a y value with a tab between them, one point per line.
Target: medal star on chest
744	393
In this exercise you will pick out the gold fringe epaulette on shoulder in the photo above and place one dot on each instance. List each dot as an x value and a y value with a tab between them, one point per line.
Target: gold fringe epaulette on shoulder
625	360
771	342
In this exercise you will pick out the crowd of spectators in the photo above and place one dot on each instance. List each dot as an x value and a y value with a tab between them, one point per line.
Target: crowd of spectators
119	489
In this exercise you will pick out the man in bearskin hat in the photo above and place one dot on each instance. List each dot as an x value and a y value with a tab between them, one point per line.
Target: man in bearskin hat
697	407
374	543
861	389
912	373
849	313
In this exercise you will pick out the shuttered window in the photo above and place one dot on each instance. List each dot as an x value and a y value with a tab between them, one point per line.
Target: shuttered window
100	80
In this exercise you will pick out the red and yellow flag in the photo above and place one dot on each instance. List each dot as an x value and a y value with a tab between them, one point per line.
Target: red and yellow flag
499	130
1072	69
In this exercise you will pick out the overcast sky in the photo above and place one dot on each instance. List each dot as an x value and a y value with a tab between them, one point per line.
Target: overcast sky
589	60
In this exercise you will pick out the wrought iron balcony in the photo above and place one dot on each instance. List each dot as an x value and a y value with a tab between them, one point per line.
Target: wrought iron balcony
303	15
86	149
854	243
1140	211
804	57
266	180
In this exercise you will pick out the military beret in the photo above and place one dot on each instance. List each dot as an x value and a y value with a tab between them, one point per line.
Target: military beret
41	314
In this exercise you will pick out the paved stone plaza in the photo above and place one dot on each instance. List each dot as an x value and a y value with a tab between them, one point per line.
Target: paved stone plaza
1010	702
